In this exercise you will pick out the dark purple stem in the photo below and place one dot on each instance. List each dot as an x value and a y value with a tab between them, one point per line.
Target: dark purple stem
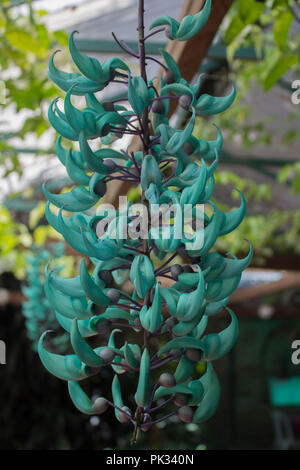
163	363
122	46
132	157
120	409
152	395
121	266
157	61
166	262
124	366
159	98
158	407
161	419
128	48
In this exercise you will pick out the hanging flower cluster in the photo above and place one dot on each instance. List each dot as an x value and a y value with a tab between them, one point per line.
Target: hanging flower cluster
38	312
172	167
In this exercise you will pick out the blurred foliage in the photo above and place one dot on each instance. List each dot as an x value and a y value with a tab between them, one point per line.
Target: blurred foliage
38	313
17	239
25	48
272	28
270	233
268	27
291	174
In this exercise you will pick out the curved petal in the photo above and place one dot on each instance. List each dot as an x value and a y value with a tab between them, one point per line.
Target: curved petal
80	399
67	367
85	353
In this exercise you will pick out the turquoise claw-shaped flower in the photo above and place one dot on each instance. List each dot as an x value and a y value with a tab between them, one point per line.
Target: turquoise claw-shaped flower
189	25
142	275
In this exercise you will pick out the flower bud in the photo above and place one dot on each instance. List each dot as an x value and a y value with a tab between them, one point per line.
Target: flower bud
169	77
170	322
187	268
123	417
100	405
158	107
107	355
106	276
137	324
146	419
100	188
180	399
175	270
110	164
188	148
103	326
194	354
185	101
185	413
167	380
114	295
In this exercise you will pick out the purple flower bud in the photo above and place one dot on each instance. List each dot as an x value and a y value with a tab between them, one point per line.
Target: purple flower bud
185	101
114	295
188	148
187	268
158	107
100	405
110	164
170	322
175	270
103	326
106	276
124	418
194	354
185	413
137	324
100	188
167	380
146	419
180	399
107	355
169	77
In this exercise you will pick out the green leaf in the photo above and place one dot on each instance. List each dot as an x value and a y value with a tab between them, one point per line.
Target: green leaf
281	66
250	10
24	41
234	29
36	214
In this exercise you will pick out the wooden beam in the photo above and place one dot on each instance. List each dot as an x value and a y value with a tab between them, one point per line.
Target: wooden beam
289	280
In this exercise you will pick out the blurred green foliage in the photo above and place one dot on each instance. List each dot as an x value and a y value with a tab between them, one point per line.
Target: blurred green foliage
17	239
25	47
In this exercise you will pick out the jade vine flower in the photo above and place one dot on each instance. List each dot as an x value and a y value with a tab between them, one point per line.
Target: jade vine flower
172	167
37	310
